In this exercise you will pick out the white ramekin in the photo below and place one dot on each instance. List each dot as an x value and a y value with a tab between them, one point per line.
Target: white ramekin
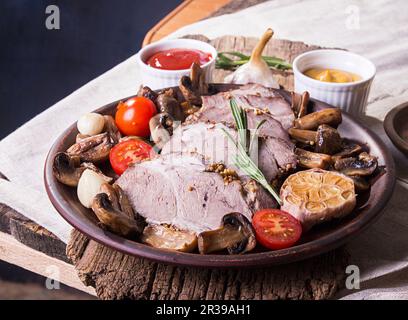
352	96
157	78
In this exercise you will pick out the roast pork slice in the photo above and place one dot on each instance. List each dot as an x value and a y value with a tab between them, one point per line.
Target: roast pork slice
176	189
272	155
261	103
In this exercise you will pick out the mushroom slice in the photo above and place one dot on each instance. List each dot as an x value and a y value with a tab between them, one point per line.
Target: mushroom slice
330	116
360	184
169	238
312	160
349	150
112	195
147	93
115	220
189	92
166	103
197	76
364	165
79	137
67	169
92	149
124	203
328	140
194	87
236	235
161	127
299	103
303	136
112	129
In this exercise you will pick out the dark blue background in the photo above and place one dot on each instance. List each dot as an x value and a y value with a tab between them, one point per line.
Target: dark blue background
39	67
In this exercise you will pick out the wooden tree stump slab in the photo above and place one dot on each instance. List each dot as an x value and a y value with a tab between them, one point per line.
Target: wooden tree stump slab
118	276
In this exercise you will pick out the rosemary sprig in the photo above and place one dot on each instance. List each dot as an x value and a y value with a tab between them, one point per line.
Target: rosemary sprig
242	159
224	62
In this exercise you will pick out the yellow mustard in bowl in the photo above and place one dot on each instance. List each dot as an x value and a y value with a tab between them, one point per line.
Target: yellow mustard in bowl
332	75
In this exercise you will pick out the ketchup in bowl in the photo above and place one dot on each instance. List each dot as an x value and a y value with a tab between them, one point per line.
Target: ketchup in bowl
178	59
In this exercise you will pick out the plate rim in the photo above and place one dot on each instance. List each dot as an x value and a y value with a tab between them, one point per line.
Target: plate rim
389	128
262	259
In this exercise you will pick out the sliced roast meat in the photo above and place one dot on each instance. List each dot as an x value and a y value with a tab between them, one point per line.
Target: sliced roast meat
216	109
260	103
272	155
176	189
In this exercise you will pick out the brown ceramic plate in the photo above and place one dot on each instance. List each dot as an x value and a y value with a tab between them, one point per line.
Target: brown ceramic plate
319	240
396	127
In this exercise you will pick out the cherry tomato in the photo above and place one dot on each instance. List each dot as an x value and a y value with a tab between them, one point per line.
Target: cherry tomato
276	229
127	152
132	116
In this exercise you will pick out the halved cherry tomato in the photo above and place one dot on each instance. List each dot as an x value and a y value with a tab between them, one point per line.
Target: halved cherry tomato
133	116
276	229
128	152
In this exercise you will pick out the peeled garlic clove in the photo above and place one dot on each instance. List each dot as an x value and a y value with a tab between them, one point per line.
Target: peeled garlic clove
91	124
89	186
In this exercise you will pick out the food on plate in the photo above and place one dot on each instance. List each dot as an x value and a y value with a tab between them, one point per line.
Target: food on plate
275	156
227	169
332	75
276	229
91	124
68	170
256	70
169	238
363	165
317	195
116	220
260	104
186	194
89	185
329	116
112	129
194	86
310	160
92	149
133	116
178	59
129	152
235	235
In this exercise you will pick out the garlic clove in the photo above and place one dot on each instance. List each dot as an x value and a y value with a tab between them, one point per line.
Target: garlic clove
256	70
89	186
91	124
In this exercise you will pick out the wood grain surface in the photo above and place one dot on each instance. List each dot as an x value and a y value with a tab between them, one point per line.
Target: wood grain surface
118	276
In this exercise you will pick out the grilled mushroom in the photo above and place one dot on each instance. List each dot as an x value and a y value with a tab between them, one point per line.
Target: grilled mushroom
331	116
67	169
304	136
349	150
236	235
147	93
169	238
161	128
360	184
312	160
92	149
166	103
116	220
299	103
328	140
364	165
194	87
112	129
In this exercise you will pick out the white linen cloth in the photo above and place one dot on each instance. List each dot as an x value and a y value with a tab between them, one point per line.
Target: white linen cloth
375	29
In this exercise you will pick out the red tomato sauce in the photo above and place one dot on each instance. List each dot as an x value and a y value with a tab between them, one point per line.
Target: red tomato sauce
178	59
